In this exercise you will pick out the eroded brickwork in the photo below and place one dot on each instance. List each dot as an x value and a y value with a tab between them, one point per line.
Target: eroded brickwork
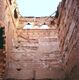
35	54
7	24
68	26
2	41
11	23
37	21
2	14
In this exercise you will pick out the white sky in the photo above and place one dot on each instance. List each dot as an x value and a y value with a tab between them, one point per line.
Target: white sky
37	7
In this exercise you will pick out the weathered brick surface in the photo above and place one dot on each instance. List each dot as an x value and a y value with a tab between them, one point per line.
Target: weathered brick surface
35	53
7	21
68	26
2	53
2	63
35	50
36	21
2	13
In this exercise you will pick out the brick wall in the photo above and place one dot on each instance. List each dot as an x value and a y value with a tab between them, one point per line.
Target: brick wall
36	21
2	13
11	23
7	21
68	27
2	41
35	54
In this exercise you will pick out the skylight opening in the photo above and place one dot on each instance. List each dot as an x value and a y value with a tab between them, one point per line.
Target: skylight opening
37	8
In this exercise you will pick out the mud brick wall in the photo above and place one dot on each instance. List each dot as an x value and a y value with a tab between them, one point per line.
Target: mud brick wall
2	53
36	21
2	13
7	21
68	27
2	48
2	63
35	54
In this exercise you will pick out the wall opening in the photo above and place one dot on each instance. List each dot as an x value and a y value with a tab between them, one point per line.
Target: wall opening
15	14
31	26
2	41
37	8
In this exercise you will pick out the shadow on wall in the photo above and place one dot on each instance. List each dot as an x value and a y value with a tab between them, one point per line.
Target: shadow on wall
2	41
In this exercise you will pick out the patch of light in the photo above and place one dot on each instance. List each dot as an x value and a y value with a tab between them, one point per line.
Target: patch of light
35	27
28	26
44	27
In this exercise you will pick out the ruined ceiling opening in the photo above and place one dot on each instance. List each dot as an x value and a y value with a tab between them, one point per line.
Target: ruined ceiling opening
34	9
37	7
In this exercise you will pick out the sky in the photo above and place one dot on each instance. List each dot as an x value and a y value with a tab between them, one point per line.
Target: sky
37	8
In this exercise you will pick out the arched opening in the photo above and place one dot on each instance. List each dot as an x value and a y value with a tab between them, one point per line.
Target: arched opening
28	26
44	26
